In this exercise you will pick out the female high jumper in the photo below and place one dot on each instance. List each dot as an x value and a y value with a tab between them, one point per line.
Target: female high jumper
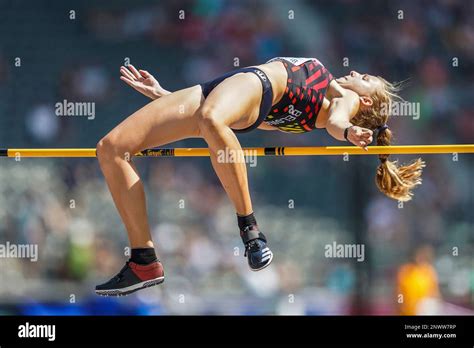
293	95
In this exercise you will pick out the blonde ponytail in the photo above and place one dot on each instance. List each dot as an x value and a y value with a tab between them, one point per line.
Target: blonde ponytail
394	181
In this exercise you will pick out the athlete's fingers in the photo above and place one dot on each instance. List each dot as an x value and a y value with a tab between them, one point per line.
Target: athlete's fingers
127	73
362	130
366	131
128	81
130	74
145	73
126	78
366	136
361	134
134	71
358	143
363	145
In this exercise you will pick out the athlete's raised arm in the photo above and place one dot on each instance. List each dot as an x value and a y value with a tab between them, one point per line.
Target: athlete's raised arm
142	81
340	113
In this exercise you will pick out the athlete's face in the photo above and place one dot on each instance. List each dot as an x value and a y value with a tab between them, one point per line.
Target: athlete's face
364	85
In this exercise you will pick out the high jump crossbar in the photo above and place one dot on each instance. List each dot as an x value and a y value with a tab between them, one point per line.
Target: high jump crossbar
255	151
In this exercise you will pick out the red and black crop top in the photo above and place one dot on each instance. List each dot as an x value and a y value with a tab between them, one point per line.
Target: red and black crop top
308	81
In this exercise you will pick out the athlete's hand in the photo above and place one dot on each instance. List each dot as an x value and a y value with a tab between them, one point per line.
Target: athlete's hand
359	136
142	81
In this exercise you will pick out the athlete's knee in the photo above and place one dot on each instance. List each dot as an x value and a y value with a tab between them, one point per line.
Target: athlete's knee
109	148
103	148
209	118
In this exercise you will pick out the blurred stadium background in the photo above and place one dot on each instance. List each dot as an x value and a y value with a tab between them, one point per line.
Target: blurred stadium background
409	249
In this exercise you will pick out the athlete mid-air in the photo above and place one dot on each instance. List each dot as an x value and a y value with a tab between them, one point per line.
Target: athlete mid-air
293	95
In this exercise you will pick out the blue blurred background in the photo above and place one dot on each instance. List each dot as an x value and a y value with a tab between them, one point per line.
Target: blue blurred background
423	250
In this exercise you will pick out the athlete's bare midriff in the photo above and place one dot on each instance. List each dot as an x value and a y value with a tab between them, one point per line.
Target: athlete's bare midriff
278	76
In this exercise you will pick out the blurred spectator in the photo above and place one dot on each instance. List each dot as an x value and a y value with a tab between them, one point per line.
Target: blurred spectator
42	123
417	282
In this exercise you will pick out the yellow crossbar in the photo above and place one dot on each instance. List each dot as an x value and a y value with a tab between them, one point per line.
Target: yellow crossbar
256	151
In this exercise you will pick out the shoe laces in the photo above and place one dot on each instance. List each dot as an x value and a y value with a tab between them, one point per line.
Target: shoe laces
252	245
119	275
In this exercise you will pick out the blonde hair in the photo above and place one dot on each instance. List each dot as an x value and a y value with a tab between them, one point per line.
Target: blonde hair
394	181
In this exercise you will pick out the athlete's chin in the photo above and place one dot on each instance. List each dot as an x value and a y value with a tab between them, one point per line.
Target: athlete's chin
342	80
345	84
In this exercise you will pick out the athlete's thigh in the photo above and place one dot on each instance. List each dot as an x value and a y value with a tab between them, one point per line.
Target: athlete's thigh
164	120
236	100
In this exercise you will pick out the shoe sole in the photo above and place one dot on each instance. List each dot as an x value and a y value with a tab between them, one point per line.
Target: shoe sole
130	289
264	266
